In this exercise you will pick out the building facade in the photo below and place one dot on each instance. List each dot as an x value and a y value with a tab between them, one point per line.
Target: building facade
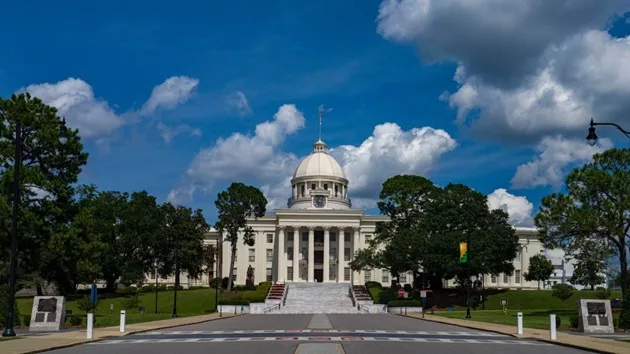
316	236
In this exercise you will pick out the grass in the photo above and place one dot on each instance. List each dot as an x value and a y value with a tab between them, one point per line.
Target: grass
189	303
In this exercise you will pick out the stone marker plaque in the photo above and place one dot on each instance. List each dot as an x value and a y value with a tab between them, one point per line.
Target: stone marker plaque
48	313
596	316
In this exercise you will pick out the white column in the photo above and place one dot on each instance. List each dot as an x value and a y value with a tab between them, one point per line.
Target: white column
326	254
281	256
311	254
355	247
296	252
340	250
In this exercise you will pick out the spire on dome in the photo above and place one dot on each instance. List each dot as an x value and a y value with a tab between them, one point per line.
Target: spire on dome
319	145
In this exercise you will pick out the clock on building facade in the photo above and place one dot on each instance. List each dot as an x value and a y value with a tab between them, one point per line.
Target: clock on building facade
319	201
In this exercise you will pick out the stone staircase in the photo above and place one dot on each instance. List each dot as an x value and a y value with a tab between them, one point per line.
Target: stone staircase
318	298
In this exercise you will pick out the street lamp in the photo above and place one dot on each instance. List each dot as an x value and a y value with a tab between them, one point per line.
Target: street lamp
592	137
63	138
468	283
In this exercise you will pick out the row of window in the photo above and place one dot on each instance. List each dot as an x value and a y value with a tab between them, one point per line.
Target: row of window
347	255
506	278
347	237
268	275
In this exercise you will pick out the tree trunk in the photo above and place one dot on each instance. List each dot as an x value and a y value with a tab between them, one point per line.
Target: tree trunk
539	285
232	260
623	263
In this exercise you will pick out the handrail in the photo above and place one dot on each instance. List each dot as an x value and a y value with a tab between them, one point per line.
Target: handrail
271	308
284	296
366	308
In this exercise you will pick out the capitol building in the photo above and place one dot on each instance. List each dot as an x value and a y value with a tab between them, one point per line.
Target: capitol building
315	236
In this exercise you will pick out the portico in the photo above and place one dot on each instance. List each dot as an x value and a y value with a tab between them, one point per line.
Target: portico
316	253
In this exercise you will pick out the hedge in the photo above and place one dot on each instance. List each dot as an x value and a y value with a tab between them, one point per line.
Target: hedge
404	303
234	302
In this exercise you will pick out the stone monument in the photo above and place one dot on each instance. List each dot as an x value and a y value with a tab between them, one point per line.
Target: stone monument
249	282
48	313
595	316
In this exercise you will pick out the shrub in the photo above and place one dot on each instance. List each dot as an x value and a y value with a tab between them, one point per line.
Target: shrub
148	289
404	303
602	293
215	282
162	287
4	296
84	304
196	287
131	302
224	282
127	290
75	320
172	287
558	321
25	321
624	316
574	321
373	284
562	291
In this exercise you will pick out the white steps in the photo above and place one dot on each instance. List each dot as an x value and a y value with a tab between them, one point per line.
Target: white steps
317	298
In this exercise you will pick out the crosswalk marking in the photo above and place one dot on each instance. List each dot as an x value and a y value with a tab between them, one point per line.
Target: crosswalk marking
319	339
329	331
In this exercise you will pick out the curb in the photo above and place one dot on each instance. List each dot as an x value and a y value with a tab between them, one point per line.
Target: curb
573	346
87	341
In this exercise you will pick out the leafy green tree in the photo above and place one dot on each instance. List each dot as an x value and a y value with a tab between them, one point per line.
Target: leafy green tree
182	243
460	214
590	265
48	168
596	206
235	205
398	243
209	259
540	269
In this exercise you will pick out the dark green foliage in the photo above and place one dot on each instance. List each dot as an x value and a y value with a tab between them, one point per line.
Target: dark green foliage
4	297
574	321
75	320
603	293
215	282
373	284
540	269
224	282
405	303
562	291
234	206
234	302
594	214
50	166
131	302
85	305
558	321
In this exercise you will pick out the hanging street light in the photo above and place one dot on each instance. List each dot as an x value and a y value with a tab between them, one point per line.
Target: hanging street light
591	138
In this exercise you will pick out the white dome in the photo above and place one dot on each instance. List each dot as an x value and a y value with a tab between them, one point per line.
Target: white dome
319	164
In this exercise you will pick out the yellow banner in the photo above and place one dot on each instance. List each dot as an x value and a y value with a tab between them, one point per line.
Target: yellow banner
463	252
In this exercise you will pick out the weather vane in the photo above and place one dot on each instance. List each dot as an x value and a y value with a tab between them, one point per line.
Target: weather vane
321	111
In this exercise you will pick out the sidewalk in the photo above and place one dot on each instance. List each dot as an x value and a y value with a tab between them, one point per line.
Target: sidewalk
599	345
45	342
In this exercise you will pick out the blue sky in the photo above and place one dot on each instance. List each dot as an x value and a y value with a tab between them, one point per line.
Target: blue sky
506	104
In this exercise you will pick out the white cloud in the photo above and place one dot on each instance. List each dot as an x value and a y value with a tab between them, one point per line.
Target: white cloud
500	41
259	160
237	102
526	68
518	208
172	92
168	133
93	116
75	100
555	156
390	151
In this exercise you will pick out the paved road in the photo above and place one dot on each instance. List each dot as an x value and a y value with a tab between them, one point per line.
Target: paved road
351	334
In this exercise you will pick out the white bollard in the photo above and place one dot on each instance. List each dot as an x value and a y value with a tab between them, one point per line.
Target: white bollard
90	325
552	326
122	321
519	323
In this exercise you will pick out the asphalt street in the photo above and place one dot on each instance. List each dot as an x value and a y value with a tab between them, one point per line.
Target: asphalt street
304	334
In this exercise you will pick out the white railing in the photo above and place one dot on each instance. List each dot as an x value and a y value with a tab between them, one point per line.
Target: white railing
271	308
365	308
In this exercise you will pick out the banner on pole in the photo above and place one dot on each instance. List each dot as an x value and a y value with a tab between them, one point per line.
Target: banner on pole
463	252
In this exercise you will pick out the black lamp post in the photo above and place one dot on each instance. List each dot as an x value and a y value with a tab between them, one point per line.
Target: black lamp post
176	275
592	137
63	137
468	282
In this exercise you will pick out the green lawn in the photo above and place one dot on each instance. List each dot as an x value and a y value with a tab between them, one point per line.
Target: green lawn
537	299
531	318
189	303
